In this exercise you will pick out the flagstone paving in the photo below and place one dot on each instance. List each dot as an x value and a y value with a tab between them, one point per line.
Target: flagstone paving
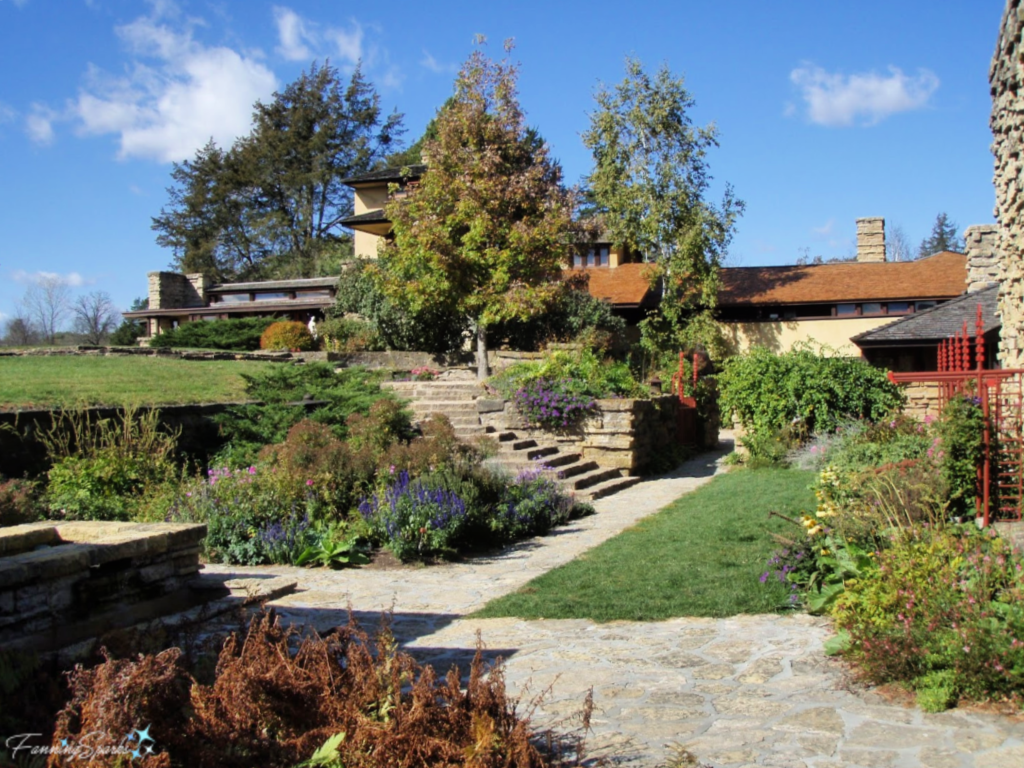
737	692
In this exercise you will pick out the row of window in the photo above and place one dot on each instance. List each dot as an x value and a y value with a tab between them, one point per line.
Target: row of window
823	311
595	257
236	298
873	308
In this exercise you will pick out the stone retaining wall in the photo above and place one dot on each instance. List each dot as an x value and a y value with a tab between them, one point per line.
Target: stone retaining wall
62	582
624	433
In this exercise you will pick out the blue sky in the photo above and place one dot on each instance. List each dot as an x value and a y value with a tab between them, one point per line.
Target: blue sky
826	111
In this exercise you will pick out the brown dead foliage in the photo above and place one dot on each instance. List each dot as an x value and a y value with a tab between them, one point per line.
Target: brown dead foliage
277	696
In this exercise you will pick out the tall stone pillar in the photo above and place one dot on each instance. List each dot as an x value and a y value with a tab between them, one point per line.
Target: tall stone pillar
1006	78
871	239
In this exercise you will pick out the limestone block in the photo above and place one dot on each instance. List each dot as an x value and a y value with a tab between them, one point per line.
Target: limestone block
157	572
619	441
488	405
614	459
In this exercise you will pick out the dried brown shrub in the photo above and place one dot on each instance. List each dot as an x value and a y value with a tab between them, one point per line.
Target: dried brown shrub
277	697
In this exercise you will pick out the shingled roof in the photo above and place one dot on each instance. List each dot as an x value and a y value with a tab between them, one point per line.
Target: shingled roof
388	174
942	276
937	323
625	285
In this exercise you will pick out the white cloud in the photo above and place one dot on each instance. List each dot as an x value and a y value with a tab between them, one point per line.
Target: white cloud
293	33
39	124
177	94
429	62
74	279
825	229
348	43
868	98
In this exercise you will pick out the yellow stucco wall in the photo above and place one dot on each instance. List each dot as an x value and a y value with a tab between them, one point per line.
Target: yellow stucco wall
365	245
370	199
781	335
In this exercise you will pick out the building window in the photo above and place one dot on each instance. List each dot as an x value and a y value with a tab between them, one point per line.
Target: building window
233	298
272	296
899	307
846	310
925	305
595	257
871	308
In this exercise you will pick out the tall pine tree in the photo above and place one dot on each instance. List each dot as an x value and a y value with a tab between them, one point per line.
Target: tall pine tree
943	237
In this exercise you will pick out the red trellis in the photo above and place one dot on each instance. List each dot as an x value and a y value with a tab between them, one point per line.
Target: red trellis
961	371
687	405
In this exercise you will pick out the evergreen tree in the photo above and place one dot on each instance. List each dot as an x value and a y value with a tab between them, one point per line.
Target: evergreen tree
271	205
943	237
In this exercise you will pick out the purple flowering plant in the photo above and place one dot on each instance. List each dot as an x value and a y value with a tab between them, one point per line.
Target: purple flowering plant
551	404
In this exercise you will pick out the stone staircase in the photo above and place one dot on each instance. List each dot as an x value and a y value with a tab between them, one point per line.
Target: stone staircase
456	399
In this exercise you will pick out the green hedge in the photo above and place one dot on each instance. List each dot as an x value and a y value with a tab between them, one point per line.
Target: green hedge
237	335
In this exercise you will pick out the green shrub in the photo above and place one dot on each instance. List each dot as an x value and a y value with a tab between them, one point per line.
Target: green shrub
236	335
102	469
19	502
572	314
439	330
126	334
961	450
287	335
941	612
769	392
579	372
281	388
341	334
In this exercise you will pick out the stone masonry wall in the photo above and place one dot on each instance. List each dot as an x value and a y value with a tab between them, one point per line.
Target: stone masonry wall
59	577
871	239
171	290
1006	78
984	254
623	433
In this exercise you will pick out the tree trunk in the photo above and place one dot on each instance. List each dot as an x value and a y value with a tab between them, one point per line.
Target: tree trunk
482	371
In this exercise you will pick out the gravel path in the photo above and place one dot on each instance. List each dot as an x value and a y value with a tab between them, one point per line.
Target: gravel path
737	692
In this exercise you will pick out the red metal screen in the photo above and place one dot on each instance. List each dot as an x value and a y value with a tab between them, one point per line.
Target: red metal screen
962	372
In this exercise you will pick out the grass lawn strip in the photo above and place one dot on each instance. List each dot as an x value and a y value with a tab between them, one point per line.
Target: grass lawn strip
700	556
79	380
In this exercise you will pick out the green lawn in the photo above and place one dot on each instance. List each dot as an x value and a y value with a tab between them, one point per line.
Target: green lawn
701	556
79	379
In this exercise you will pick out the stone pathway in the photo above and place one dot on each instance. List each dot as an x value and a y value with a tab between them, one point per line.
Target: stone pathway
737	692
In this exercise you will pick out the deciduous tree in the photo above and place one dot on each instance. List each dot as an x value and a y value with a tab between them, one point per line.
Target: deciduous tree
490	225
95	316
46	304
651	181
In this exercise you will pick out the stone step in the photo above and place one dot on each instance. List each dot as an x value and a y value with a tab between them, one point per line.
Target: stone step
587	478
607	488
531	452
506	437
443	406
578	468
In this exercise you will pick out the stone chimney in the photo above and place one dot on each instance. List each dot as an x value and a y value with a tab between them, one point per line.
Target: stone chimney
984	263
171	290
871	239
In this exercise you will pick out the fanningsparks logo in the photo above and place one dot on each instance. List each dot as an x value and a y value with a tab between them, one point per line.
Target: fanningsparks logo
134	745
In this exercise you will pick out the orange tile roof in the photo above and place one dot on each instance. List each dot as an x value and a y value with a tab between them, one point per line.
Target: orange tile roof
943	275
625	284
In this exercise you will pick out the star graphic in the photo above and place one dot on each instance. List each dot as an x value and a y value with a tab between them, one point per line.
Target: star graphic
144	735
63	742
136	753
130	737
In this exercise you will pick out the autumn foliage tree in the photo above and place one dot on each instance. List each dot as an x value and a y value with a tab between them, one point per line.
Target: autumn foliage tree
490	226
